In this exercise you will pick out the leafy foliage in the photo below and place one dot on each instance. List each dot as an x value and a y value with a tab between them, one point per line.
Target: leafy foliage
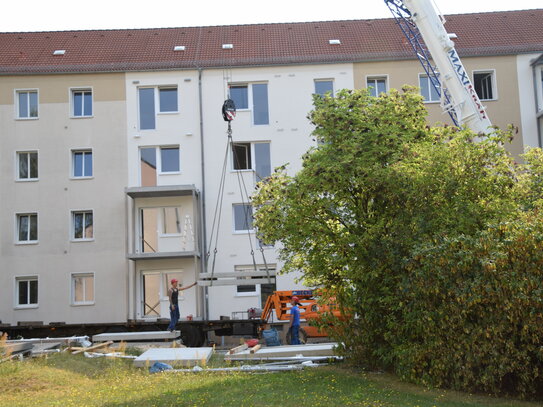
376	216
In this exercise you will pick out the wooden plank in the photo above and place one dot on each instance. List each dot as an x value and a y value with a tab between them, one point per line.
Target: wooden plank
238	349
94	347
255	348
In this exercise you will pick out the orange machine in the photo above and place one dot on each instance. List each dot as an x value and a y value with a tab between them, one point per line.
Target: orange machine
279	301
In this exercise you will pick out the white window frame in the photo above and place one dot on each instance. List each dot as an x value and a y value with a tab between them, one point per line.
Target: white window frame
158	158
250	268
253	155
158	151
378	77
425	75
249	95
73	276
72	160
324	80
17	113
251	152
26	242
16	281
250	101
74	239
494	82
72	102
18	161
157	99
244	231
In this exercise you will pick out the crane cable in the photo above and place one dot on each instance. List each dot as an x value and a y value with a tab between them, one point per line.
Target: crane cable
229	113
243	189
217	214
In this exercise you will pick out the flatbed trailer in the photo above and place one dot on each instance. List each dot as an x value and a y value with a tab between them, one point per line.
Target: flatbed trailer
193	333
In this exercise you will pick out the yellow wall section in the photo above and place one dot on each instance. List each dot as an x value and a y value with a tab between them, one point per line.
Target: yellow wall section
56	88
502	112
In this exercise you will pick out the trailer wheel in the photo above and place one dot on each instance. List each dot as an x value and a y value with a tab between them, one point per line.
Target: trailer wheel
192	336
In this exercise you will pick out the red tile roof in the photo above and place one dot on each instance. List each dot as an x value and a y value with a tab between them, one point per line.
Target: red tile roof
496	33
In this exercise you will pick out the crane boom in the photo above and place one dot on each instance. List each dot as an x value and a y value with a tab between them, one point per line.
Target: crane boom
424	29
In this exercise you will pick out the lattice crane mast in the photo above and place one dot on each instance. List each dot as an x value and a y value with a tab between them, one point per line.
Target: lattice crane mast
425	31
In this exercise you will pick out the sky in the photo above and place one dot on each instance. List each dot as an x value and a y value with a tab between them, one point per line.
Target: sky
60	15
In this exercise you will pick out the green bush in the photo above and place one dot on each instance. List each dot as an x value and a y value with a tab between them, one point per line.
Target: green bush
394	218
472	312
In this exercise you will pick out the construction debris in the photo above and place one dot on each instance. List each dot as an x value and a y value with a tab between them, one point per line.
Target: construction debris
238	349
274	352
174	356
136	336
243	368
94	347
8	348
119	355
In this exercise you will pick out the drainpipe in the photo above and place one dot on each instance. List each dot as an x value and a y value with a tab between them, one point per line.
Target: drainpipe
203	262
538	102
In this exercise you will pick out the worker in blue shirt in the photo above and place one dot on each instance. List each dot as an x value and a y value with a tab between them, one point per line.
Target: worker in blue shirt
294	327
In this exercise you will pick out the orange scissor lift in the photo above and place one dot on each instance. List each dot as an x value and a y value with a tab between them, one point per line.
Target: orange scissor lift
279	301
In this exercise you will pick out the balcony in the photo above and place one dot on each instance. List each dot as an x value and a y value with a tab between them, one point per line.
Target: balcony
165	222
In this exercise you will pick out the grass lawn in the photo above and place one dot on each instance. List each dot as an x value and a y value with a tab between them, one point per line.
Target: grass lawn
66	380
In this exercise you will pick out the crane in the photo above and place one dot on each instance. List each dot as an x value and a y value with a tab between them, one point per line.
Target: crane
434	48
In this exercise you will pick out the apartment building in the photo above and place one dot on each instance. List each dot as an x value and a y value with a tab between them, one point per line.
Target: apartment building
112	150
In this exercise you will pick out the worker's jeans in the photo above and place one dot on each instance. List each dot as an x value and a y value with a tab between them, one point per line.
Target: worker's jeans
294	335
174	317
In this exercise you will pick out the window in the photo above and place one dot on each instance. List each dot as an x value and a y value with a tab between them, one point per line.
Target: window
322	87
260	103
240	95
82	225
83	288
27	227
166	159
27	104
241	156
169	159
166	101
26	292
243	218
427	90
82	163
81	102
252	156
27	165
376	85
483	82
253	97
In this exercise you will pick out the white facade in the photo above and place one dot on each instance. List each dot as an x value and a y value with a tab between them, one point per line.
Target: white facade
287	135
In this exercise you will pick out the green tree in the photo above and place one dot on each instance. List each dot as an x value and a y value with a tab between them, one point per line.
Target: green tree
379	188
